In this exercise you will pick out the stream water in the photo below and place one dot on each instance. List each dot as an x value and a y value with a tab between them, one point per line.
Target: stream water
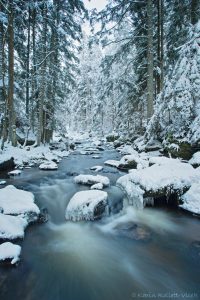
102	260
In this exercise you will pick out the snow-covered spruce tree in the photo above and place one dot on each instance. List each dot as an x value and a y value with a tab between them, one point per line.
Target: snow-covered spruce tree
145	37
118	78
177	109
84	110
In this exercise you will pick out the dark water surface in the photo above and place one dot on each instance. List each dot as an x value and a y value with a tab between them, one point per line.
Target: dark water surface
94	261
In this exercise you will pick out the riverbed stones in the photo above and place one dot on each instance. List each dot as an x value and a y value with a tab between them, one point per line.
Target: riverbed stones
133	231
8	164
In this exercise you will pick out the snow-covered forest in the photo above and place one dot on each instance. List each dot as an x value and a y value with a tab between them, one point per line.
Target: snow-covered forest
137	73
99	149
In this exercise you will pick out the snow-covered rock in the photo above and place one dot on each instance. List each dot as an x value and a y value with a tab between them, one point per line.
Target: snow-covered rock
112	163
157	180
97	186
49	156
14	173
195	160
6	162
18	202
91	179
86	205
127	150
96	156
132	161
48	165
2	182
61	154
97	143
96	168
10	251
191	199
12	227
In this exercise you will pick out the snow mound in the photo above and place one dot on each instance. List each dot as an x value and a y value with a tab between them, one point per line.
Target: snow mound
2	182
97	186
91	179
166	177
12	227
127	150
86	205
14	201
14	173
96	168
191	199
10	251
49	165
195	160
112	163
163	161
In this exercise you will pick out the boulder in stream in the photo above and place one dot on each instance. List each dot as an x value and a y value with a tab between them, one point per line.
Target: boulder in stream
87	205
16	202
157	181
91	179
9	253
48	166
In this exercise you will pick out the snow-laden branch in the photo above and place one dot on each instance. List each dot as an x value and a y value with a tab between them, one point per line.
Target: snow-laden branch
43	59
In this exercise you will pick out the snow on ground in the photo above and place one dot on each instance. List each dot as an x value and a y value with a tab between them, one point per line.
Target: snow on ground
23	155
97	186
195	160
191	199
14	201
10	251
48	165
14	173
96	168
12	227
91	179
31	155
112	163
173	175
86	205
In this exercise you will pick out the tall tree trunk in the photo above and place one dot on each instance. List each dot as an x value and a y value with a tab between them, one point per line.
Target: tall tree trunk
28	62
1	59
160	45
11	115
54	70
3	95
33	75
195	9
40	131
150	83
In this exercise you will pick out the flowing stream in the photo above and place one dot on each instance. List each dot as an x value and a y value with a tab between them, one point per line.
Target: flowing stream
153	253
